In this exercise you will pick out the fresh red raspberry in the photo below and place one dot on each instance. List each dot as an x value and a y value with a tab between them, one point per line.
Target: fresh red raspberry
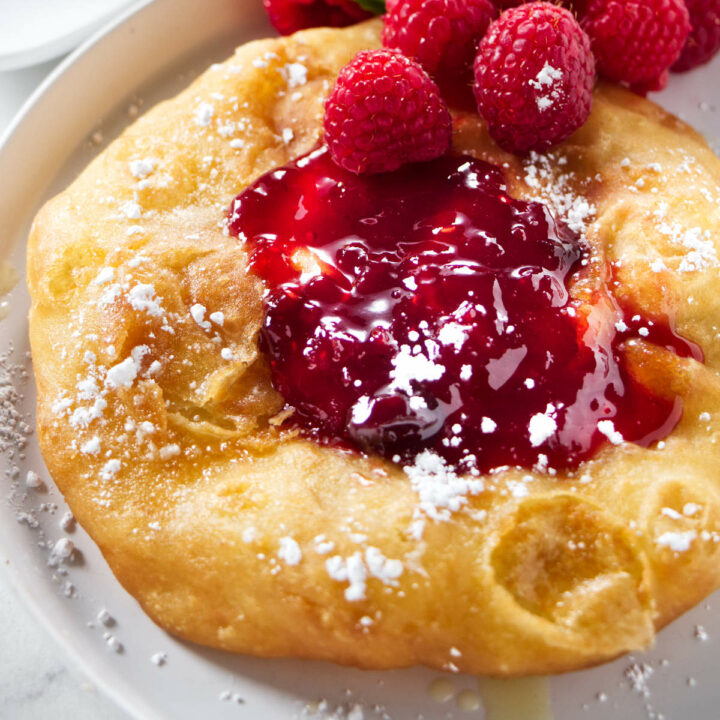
577	6
655	85
534	76
635	41
383	112
704	39
442	35
289	16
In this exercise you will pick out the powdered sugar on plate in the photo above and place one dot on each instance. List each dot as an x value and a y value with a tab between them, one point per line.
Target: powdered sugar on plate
14	428
326	710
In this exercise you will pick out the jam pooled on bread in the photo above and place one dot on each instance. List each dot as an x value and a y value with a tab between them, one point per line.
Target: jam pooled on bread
427	309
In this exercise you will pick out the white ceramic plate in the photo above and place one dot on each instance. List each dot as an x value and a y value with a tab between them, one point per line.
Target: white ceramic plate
32	31
146	55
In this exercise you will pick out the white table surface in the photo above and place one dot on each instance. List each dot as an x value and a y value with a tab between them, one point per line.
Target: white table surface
37	679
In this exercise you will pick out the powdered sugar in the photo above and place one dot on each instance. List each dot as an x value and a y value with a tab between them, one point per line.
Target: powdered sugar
440	490
106	275
488	425
677	541
384	569
409	365
546	83
142	297
82	417
159	659
142	168
123	374
638	675
91	447
351	570
13	428
110	469
167	452
324	710
203	114
33	481
131	210
556	189
62	551
453	334
197	312
105	618
290	551
542	426
698	244
295	74
67	522
357	568
607	428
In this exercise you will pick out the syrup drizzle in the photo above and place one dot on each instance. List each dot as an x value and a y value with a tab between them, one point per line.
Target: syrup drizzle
426	309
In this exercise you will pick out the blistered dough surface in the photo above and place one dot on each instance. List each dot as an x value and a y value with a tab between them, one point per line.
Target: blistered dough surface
158	421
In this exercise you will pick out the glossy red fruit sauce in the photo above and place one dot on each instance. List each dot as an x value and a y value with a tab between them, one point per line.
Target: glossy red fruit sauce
426	309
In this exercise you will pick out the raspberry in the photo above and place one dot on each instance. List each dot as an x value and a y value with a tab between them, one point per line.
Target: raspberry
704	39
442	35
655	85
577	6
383	112
289	16
534	76
635	41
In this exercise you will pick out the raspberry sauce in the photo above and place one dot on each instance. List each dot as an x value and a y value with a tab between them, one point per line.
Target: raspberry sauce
426	309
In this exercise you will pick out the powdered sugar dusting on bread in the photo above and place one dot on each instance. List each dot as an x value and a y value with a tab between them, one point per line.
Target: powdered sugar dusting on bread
295	74
357	568
123	374
440	490
203	114
143	298
141	168
677	541
290	551
697	243
556	188
351	570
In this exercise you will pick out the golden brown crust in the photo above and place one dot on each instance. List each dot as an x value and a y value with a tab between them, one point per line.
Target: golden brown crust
198	510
